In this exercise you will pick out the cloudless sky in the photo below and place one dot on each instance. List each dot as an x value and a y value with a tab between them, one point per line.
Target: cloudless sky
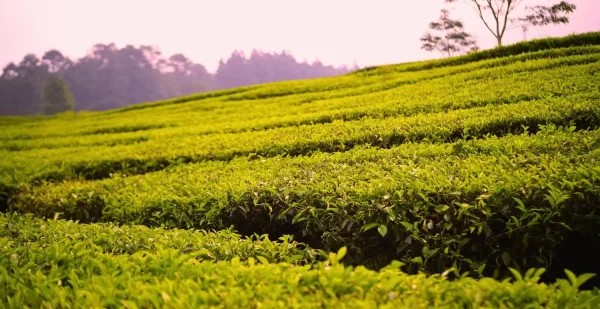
334	31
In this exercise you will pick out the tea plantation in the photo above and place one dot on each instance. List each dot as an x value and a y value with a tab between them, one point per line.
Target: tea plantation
465	182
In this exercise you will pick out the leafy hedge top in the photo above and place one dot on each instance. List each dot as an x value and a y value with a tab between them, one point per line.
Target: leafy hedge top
55	273
115	240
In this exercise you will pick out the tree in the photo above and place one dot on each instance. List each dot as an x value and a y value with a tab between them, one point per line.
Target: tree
55	61
184	77
495	14
20	93
56	96
447	36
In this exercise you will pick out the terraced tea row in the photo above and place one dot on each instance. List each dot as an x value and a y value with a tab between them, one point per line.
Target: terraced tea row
379	98
355	84
470	204
117	240
55	273
100	162
433	110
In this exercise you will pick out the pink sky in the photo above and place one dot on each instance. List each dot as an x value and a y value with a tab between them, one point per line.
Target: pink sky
335	31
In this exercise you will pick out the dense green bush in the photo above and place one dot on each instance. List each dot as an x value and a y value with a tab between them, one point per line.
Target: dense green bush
125	239
41	266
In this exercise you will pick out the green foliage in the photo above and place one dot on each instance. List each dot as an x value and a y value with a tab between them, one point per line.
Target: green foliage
42	265
116	240
525	98
460	204
463	167
56	96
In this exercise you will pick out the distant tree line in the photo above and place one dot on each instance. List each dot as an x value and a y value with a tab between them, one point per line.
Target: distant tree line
110	77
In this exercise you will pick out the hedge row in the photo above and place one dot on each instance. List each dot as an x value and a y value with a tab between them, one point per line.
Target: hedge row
66	274
477	205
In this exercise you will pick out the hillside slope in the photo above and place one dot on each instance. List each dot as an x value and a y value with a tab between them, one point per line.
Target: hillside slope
478	163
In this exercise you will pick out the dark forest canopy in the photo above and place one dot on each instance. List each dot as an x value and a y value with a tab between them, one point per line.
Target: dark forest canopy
110	77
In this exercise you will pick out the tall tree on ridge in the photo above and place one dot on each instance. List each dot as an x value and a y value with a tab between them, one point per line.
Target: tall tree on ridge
495	14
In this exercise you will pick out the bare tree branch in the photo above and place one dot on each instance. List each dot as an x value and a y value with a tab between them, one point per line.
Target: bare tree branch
479	11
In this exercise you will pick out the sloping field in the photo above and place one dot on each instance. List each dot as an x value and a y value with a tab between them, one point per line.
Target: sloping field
486	165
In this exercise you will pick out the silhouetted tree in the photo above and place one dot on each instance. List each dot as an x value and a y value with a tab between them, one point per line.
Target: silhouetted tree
495	14
447	36
184	76
20	86
111	77
233	72
56	96
55	61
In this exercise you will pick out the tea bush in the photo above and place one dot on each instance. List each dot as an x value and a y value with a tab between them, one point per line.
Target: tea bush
458	169
60	272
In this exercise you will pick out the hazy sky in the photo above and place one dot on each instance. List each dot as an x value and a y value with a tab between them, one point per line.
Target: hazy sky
335	31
